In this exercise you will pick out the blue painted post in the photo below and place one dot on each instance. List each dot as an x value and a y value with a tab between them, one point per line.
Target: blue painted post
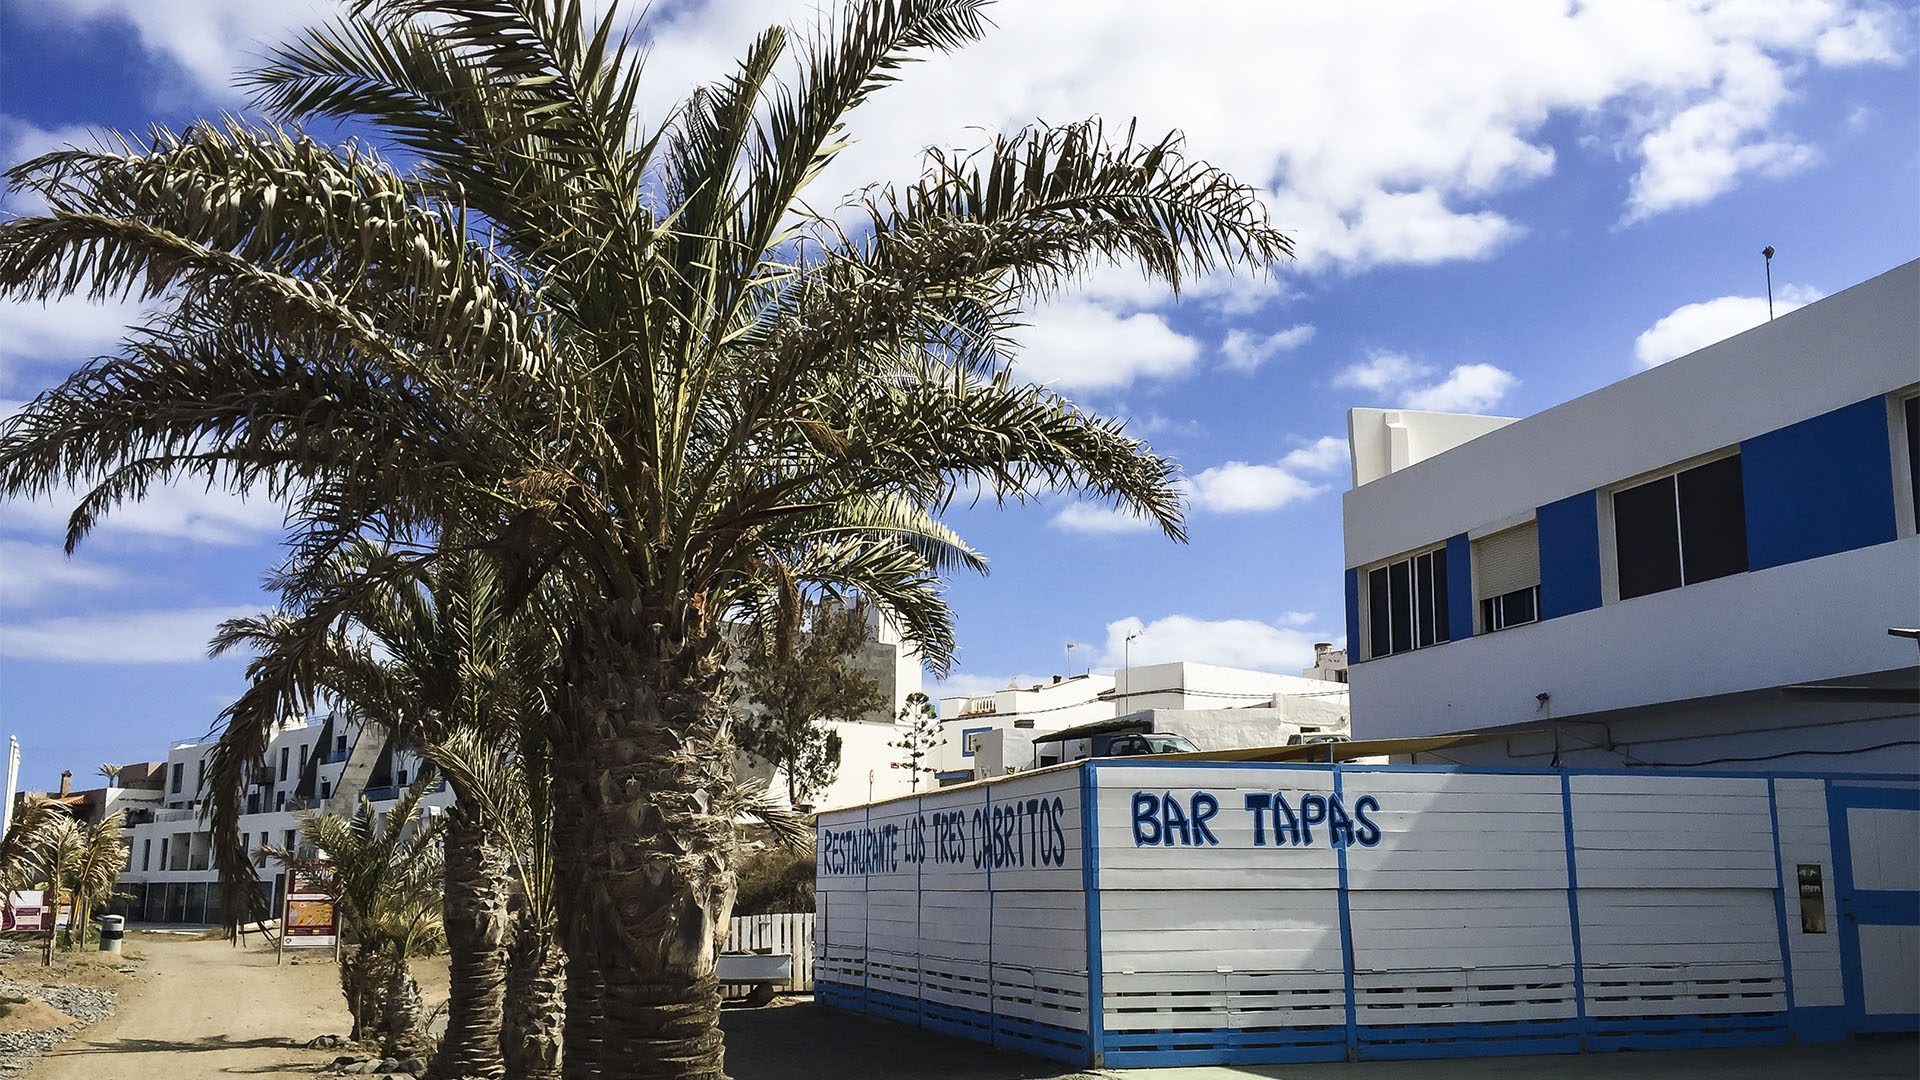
1573	909
1090	884
1780	912
1346	936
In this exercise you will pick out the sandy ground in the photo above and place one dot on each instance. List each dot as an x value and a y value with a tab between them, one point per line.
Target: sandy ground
204	1008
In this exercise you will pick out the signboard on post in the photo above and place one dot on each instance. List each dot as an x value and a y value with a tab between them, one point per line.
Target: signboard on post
24	910
311	920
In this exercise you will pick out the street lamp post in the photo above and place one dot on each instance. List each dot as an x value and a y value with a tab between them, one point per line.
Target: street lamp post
1127	670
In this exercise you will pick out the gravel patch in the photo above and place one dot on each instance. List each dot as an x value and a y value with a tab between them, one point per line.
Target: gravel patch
19	1049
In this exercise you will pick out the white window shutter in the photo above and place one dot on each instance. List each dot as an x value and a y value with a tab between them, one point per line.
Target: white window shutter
1506	562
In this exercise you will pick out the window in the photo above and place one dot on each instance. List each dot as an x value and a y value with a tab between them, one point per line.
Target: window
279	800
1407	604
1506	577
402	778
326	789
200	777
289	839
246	841
303	757
1681	529
163	854
146	854
179	777
340	745
284	752
253	802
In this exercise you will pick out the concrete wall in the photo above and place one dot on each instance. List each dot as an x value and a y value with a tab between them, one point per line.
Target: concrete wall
1382	441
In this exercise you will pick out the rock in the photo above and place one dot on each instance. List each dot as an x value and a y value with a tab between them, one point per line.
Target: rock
413	1065
388	1065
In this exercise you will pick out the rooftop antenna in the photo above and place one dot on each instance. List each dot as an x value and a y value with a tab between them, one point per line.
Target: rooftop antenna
1767	253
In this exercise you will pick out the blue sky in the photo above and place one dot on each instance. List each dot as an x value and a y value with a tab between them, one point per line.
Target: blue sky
1497	207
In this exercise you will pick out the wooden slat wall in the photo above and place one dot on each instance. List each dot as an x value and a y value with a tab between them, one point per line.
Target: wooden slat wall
1677	896
986	945
786	933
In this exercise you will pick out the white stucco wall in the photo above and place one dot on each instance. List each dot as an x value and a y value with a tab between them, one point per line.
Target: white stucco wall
1381	441
1802	622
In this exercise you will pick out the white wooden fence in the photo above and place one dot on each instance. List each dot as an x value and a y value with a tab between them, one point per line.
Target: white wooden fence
790	933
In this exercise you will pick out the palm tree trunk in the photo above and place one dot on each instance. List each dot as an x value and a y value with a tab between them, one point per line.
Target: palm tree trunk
406	1014
474	911
530	1032
649	880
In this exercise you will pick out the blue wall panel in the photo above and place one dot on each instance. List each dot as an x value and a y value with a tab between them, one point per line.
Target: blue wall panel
1821	486
1569	554
1459	588
1354	653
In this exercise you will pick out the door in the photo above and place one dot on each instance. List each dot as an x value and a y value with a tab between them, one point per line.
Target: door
1876	854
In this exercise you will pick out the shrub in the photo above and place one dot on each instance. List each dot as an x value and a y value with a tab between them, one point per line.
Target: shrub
775	879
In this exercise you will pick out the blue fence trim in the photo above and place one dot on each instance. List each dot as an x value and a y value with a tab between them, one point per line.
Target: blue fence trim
893	1006
1820	1023
840	996
1346	923
1687	1032
1041	1040
1780	898
1090	878
1540	770
1225	1046
1573	909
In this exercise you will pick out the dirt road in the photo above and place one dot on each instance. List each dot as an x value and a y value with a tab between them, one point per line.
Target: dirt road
204	1008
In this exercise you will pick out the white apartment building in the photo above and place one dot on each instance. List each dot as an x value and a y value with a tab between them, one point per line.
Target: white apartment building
326	762
1698	565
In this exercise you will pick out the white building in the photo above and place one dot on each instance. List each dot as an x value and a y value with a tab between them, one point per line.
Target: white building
321	763
1698	565
1217	707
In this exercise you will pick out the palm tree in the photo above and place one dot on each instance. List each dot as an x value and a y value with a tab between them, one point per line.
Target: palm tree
112	773
441	663
384	873
47	846
627	357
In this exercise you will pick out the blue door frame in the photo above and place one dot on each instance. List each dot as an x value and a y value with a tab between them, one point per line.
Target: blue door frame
1868	907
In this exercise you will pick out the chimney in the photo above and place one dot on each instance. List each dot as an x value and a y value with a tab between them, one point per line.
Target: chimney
66	782
1321	648
1056	678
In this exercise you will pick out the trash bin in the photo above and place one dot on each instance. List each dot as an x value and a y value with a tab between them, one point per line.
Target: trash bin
113	930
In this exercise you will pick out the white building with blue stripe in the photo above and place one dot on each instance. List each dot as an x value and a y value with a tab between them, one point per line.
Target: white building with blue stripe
1697	566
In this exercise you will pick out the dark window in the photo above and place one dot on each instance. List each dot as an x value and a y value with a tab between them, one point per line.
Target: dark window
1400	604
179	775
1378	622
284	752
146	854
280	800
1407	604
303	757
200	777
253	802
340	745
1510	609
326	789
163	854
1912	406
402	779
289	839
1713	521
1681	529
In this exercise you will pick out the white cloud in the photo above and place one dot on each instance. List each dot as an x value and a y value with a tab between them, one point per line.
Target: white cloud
30	571
1084	517
1245	352
1298	618
185	511
1244	643
1379	146
59	336
1696	326
1398	380
1467	388
1382	370
1240	488
1078	345
1324	454
127	637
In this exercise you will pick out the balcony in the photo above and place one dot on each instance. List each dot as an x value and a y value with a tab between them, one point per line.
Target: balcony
334	757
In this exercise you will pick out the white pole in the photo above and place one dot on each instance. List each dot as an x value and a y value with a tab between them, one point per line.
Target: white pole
13	779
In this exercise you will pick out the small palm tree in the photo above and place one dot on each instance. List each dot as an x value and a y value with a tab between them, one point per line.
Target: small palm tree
384	873
48	846
112	773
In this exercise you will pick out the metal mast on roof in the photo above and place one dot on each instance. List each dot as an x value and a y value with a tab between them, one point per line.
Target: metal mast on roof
1767	253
